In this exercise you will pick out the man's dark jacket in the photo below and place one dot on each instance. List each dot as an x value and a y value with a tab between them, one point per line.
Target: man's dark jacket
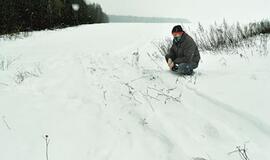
184	51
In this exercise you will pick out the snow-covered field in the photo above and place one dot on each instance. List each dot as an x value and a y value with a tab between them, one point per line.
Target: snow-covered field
103	92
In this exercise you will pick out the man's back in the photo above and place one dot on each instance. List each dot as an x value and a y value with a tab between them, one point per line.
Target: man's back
185	51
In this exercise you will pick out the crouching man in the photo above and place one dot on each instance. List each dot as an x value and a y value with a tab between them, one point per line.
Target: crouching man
184	55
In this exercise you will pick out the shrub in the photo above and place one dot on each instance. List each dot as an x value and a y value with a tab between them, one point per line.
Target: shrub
164	46
224	36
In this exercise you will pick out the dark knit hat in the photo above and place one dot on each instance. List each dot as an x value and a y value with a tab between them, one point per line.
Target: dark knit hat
177	28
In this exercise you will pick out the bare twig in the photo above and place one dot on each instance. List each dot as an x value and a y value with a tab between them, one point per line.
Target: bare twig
135	58
143	122
242	152
131	92
133	80
170	97
147	95
104	97
177	80
47	141
171	89
132	98
148	101
130	88
6	123
167	96
164	46
22	75
155	89
155	62
7	62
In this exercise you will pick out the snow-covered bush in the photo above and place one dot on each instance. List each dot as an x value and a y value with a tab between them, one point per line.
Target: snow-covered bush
20	76
225	36
164	46
16	35
5	63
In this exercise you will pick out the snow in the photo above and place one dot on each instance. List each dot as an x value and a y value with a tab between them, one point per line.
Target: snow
75	7
103	92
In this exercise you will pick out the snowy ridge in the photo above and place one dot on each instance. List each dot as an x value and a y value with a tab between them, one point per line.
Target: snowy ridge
102	92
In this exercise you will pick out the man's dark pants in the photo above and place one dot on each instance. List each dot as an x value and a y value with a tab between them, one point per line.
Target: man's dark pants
184	68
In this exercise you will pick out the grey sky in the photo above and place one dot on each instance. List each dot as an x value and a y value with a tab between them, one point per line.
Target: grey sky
196	10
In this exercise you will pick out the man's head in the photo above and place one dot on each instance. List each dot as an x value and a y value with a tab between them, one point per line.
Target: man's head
177	32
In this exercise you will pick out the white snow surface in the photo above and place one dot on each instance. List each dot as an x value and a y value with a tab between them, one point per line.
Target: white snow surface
103	92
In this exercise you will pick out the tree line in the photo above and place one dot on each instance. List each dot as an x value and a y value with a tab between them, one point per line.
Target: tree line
29	15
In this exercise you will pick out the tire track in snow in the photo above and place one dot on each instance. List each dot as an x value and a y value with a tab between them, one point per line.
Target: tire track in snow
265	128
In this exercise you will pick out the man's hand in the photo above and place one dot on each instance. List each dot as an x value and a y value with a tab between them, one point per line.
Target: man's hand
171	66
170	63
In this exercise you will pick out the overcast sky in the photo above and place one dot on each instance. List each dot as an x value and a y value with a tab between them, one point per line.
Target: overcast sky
195	10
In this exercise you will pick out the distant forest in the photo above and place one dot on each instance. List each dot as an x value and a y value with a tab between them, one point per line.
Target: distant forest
29	15
134	19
